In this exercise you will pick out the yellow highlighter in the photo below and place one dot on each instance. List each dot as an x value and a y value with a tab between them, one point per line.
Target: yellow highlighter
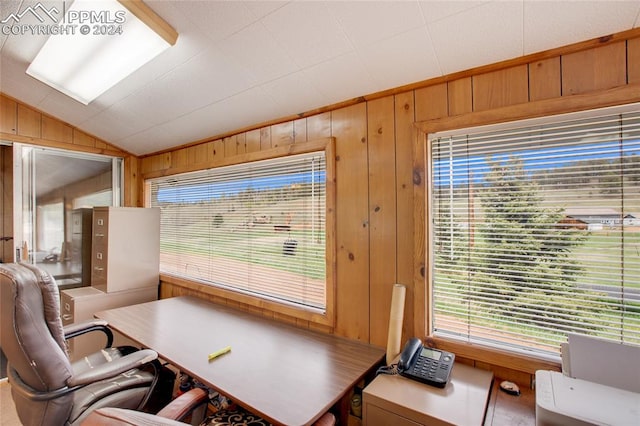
216	354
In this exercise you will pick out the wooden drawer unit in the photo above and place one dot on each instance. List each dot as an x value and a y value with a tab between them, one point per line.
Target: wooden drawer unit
397	400
125	250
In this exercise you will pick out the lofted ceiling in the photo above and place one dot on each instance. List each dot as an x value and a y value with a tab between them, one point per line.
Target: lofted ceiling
240	63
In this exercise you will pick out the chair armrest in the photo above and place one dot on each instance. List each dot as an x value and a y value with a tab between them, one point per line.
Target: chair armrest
73	330
109	416
327	419
168	416
184	404
111	369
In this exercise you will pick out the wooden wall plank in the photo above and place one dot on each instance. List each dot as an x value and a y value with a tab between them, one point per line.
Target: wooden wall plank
197	154
594	69
83	139
209	151
431	102
252	140
382	215
180	158
460	96
265	138
282	134
29	122
55	130
230	146
500	88
352	233
405	135
216	150
319	126
300	130
132	188
544	79
241	143
633	60
8	115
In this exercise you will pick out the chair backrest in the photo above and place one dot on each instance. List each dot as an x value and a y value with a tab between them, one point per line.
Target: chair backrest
32	338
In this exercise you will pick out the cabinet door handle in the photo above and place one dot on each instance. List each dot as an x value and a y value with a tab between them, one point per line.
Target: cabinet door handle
67	317
97	268
99	235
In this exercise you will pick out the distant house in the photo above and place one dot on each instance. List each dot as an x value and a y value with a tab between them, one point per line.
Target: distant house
631	219
595	219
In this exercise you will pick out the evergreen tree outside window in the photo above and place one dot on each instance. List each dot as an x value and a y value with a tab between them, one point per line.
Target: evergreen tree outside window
536	232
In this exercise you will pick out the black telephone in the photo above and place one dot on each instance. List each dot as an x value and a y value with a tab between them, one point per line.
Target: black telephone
426	365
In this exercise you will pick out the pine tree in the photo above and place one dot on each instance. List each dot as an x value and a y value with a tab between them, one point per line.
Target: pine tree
522	254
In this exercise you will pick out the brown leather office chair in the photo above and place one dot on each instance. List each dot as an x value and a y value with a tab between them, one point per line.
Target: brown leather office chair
177	410
46	387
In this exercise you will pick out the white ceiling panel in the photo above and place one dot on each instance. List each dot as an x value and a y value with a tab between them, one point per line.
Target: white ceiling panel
414	61
241	63
257	51
377	21
558	23
308	32
216	19
341	78
435	10
294	94
482	35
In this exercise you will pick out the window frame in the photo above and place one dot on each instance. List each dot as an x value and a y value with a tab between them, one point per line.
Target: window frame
254	302
527	364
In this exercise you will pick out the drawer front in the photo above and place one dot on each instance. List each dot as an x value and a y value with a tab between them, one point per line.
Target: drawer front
76	227
100	227
66	310
99	269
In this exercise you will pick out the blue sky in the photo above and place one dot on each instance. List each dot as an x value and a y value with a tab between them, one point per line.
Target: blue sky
185	193
534	159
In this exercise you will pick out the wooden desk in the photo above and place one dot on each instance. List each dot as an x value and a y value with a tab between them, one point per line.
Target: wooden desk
285	374
399	401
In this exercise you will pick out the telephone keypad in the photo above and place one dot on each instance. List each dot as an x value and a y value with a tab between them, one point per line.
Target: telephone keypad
430	370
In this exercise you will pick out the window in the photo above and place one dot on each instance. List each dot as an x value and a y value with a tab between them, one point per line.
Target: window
536	231
257	228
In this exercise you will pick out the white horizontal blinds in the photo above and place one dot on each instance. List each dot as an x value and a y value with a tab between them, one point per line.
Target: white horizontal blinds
256	227
536	233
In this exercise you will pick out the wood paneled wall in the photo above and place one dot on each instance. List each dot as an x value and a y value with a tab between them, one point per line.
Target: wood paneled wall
380	175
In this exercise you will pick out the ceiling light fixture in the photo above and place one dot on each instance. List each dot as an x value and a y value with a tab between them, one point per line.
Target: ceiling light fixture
98	44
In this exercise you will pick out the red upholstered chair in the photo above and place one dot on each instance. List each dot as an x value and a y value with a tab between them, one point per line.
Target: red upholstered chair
178	409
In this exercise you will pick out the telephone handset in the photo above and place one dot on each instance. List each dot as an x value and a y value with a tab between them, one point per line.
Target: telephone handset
427	365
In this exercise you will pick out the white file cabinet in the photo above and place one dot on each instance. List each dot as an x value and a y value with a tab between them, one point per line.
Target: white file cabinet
125	248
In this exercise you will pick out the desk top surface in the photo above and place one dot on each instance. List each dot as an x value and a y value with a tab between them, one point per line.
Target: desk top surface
286	374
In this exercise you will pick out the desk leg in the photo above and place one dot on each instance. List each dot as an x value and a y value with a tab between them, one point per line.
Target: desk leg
344	407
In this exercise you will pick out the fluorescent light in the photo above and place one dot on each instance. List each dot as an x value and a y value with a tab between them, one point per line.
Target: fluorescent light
85	65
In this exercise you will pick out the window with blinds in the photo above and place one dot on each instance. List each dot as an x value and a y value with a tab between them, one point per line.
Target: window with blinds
536	232
257	228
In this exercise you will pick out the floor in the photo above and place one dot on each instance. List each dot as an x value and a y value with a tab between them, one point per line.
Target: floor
8	416
503	409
